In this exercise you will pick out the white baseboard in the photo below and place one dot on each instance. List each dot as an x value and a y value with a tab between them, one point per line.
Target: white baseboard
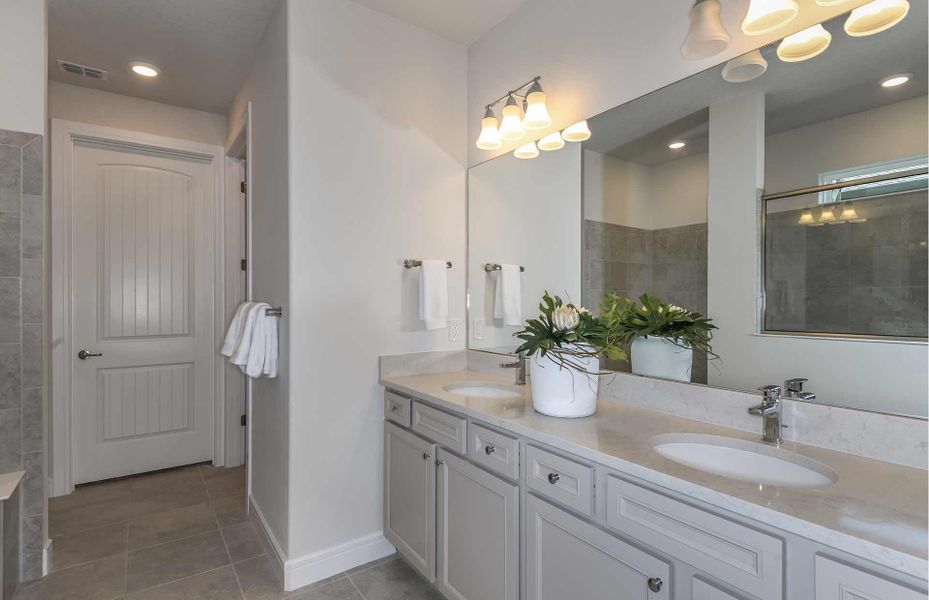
46	557
298	572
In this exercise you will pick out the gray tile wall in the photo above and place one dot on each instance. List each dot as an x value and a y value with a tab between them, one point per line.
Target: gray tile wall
22	322
854	278
669	263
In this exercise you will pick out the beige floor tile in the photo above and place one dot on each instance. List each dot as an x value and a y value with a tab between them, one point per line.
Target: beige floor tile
220	584
231	483
243	541
171	525
229	510
104	579
91	494
393	580
90	516
343	589
209	471
90	545
187	478
175	560
258	581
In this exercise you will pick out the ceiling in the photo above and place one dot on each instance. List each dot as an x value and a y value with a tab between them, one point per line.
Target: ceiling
841	81
462	21
204	48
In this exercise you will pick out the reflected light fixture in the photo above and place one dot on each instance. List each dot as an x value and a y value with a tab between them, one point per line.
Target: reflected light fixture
677	144
526	151
767	15
489	138
831	2
577	132
875	17
826	216
537	116
895	80
706	35
851	215
552	141
144	69
512	126
750	65
806	218
804	44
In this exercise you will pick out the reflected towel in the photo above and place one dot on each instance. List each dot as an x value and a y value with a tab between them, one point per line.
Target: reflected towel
433	294
508	296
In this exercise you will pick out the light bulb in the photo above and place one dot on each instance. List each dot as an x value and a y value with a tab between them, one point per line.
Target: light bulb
489	138
512	126
536	114
577	132
805	44
526	151
875	17
144	69
706	35
750	65
552	141
767	15
806	218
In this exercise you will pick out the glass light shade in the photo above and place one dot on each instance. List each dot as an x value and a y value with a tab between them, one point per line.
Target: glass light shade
577	132
512	126
826	216
526	151
850	214
536	114
489	138
706	36
831	2
750	65
806	218
552	141
875	17
767	15
805	44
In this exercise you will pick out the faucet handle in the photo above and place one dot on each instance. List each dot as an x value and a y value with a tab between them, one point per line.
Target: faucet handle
795	385
772	393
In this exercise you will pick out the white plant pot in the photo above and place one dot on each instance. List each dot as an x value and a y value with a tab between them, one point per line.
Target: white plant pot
560	391
660	357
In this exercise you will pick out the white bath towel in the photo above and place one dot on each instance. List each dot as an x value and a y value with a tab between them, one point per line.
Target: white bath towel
433	294
236	329
508	296
251	342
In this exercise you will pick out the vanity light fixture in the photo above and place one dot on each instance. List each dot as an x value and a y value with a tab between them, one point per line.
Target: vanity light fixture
489	138
806	218
804	44
767	15
875	17
850	215
144	69
831	2
677	144
896	80
577	132
552	141
512	126
537	116
706	36
750	65
521	112
526	151
826	216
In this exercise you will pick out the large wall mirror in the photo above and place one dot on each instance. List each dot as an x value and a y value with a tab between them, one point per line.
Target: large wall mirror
790	207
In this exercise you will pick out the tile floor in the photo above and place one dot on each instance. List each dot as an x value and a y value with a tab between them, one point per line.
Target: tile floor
181	535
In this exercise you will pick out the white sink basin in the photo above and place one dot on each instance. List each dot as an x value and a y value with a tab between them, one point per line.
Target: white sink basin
742	460
485	389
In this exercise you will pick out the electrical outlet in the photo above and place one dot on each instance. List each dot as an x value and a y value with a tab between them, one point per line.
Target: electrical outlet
478	326
455	326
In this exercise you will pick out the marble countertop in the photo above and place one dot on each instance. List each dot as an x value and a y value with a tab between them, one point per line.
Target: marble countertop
8	483
875	510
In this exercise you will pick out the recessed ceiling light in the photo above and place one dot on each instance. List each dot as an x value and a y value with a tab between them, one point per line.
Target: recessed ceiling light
677	144
144	69
895	80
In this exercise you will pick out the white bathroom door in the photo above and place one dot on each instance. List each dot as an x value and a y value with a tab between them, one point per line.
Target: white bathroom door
142	255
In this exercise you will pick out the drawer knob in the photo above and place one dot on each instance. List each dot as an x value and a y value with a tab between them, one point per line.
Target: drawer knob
655	583
395	408
488	449
426	456
553	478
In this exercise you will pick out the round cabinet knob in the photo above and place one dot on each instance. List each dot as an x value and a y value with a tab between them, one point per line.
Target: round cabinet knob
488	450
553	478
426	456
655	583
84	354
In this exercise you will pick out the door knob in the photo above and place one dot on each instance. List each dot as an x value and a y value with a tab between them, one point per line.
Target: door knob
84	354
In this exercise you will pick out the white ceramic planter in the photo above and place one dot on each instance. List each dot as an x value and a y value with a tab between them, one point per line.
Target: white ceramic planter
660	357
560	391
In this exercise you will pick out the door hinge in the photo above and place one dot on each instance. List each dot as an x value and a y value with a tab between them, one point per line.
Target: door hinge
243	420
243	264
243	187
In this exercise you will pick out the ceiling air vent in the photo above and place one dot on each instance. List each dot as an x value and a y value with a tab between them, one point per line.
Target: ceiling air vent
84	70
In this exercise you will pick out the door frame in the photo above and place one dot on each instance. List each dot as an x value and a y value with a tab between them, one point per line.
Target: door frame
64	136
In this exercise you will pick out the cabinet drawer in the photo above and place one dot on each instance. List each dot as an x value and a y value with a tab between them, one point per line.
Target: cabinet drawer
565	481
747	559
439	426
495	451
707	591
838	581
397	408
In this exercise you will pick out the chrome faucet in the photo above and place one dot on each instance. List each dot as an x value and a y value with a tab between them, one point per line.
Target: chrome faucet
793	389
520	366
771	409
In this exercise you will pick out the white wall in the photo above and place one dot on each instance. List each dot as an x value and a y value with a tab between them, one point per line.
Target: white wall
678	189
266	88
525	212
22	65
377	174
86	105
596	54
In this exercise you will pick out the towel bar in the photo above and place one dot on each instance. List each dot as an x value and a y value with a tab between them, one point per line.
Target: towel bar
274	312
495	267
409	263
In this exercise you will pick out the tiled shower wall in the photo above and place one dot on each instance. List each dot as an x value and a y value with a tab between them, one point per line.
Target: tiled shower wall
22	444
669	263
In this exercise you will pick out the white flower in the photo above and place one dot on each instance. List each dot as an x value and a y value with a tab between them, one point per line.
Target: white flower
565	318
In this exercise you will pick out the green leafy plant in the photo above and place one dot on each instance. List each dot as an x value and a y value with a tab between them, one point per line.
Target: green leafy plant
650	317
569	335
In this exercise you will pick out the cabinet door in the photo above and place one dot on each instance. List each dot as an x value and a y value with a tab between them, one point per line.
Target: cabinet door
478	533
837	581
569	558
409	497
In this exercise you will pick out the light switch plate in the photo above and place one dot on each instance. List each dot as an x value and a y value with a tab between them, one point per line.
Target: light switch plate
455	326
478	327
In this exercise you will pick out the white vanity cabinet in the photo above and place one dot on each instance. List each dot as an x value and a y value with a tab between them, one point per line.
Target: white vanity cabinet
838	581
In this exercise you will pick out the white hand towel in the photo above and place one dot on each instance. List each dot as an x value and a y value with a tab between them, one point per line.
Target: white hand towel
244	346
508	296
236	327
433	294
262	359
